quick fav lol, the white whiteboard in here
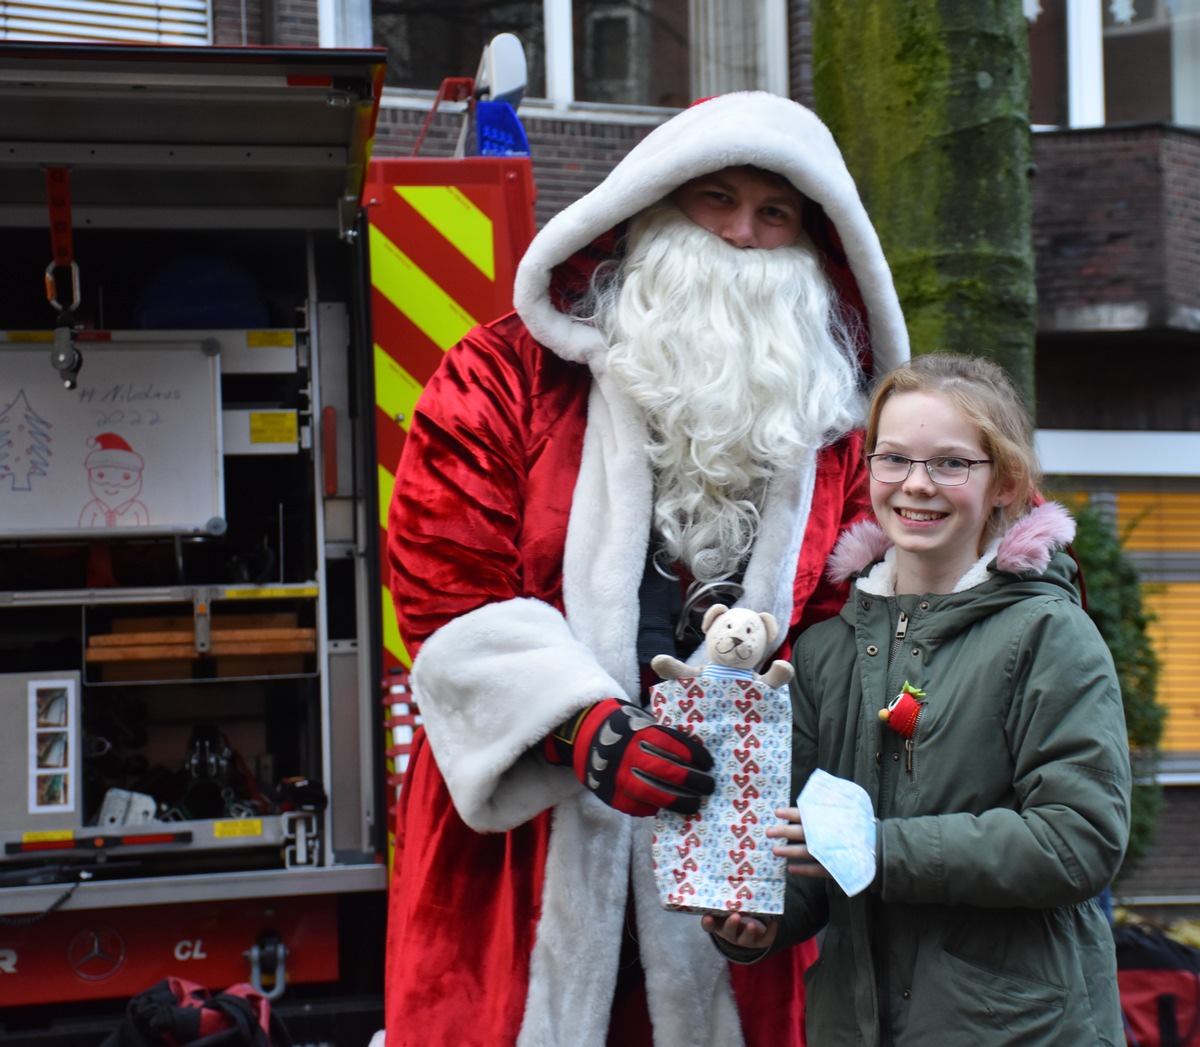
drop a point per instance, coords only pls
(134, 448)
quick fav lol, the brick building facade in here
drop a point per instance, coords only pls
(1117, 238)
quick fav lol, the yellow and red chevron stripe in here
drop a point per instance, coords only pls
(445, 237)
(445, 240)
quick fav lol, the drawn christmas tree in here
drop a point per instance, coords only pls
(24, 444)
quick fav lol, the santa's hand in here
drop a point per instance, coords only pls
(631, 761)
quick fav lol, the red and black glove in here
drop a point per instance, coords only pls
(631, 761)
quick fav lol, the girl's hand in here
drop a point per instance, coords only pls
(793, 848)
(741, 929)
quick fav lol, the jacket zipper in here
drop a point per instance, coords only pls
(901, 629)
(885, 973)
(897, 640)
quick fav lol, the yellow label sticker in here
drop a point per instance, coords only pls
(29, 336)
(273, 427)
(233, 828)
(271, 594)
(48, 836)
(257, 339)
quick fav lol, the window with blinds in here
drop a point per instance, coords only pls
(105, 21)
(1158, 527)
(1173, 632)
(1159, 521)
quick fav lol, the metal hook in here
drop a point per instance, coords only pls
(268, 955)
(52, 288)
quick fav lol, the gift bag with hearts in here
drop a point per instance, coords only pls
(719, 859)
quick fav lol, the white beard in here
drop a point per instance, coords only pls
(736, 359)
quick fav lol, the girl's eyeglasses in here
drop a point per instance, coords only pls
(948, 470)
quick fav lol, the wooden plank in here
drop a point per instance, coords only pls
(188, 636)
(188, 652)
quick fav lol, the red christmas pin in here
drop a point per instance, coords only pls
(903, 710)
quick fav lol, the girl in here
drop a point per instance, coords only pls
(1000, 776)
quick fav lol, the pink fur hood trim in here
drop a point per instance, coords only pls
(1025, 548)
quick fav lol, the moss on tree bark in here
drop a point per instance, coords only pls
(929, 100)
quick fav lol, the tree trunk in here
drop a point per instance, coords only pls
(929, 100)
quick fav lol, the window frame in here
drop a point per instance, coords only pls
(1085, 68)
(347, 23)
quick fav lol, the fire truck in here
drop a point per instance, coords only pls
(216, 315)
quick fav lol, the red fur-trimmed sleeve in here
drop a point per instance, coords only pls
(483, 489)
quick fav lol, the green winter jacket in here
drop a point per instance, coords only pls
(998, 829)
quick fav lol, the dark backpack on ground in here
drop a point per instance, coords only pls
(1159, 979)
(179, 1013)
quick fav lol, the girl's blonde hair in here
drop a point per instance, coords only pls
(984, 393)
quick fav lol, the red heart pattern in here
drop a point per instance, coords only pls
(720, 859)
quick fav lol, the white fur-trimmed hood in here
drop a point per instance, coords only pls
(745, 127)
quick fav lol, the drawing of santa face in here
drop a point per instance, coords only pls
(114, 485)
(114, 470)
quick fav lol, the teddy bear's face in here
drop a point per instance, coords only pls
(738, 638)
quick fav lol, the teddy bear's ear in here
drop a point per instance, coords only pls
(711, 615)
(772, 626)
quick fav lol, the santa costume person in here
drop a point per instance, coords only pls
(670, 412)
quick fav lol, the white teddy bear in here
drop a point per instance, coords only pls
(735, 638)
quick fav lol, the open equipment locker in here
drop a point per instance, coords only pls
(189, 663)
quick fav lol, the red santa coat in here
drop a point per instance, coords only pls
(518, 532)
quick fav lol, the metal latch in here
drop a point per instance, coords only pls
(202, 620)
(64, 357)
(268, 956)
(301, 846)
